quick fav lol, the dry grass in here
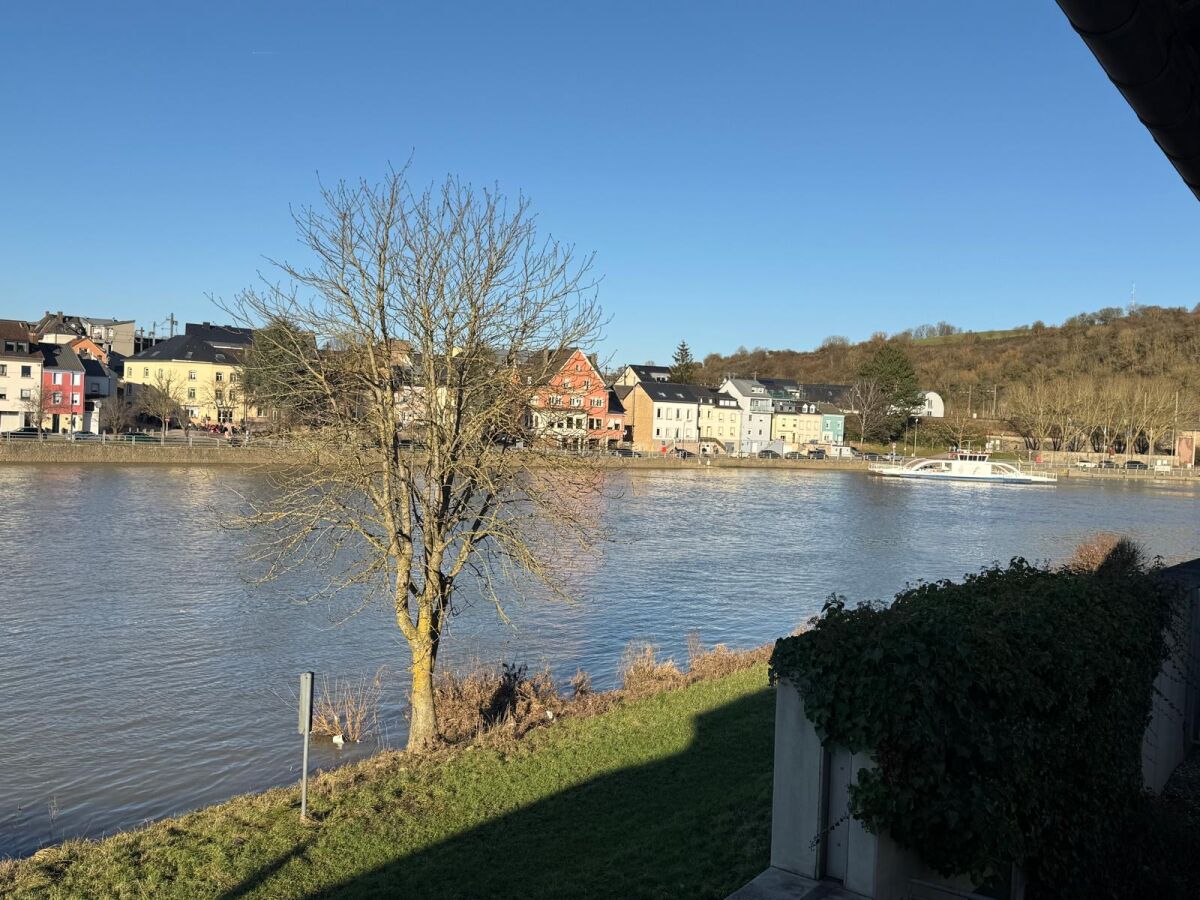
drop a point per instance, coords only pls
(1107, 553)
(348, 707)
(493, 707)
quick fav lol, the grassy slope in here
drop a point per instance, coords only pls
(668, 796)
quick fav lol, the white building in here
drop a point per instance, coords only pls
(756, 404)
(933, 408)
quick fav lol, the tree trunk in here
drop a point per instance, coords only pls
(422, 726)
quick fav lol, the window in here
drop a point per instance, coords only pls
(57, 397)
(219, 395)
(657, 432)
(191, 374)
(587, 384)
(26, 371)
(191, 394)
(577, 401)
(26, 394)
(259, 412)
(233, 377)
(658, 413)
(566, 383)
(57, 378)
(3, 394)
(160, 373)
(3, 369)
(145, 372)
(597, 401)
(74, 399)
(220, 376)
(77, 378)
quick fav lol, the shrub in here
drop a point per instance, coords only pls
(348, 707)
(1005, 713)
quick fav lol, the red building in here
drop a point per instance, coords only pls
(571, 408)
(62, 388)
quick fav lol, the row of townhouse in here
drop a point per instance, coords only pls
(744, 416)
(58, 372)
(54, 385)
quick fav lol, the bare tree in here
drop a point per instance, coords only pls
(37, 405)
(162, 399)
(404, 359)
(870, 404)
(117, 413)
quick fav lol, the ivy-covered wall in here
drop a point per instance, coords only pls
(1005, 713)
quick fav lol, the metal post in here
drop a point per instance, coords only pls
(305, 728)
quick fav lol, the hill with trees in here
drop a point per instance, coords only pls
(1116, 380)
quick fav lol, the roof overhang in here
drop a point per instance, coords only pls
(1150, 49)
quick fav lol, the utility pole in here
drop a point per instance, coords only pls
(172, 321)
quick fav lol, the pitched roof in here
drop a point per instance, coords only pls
(60, 356)
(224, 336)
(669, 392)
(651, 373)
(826, 393)
(14, 330)
(187, 348)
(615, 401)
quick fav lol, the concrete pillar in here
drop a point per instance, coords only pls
(797, 800)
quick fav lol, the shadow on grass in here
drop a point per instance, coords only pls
(249, 885)
(692, 825)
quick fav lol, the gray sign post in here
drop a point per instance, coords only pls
(306, 712)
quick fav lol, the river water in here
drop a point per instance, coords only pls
(143, 674)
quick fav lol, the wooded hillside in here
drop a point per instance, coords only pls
(1145, 342)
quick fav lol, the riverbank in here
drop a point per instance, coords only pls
(667, 795)
(85, 453)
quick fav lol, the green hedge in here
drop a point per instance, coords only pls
(1005, 713)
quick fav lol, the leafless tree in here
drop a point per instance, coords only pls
(403, 360)
(38, 405)
(161, 399)
(117, 413)
(869, 402)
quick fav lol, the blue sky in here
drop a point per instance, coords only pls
(758, 174)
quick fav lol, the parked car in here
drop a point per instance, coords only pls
(683, 454)
(871, 457)
(767, 454)
(1084, 464)
(795, 454)
(82, 436)
(1135, 464)
(625, 451)
(26, 433)
(892, 457)
(816, 454)
(1106, 464)
(138, 437)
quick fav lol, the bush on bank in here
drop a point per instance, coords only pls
(1005, 715)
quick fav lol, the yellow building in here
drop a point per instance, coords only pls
(205, 381)
(720, 422)
(785, 426)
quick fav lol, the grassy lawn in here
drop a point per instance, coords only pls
(668, 796)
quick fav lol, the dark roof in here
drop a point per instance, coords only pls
(220, 335)
(1151, 52)
(14, 330)
(185, 347)
(60, 356)
(780, 384)
(95, 369)
(709, 396)
(825, 393)
(615, 404)
(669, 392)
(651, 373)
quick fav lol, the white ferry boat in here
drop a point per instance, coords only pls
(965, 465)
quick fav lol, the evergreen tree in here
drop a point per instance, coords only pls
(893, 372)
(684, 367)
